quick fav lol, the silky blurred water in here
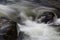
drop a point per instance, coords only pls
(39, 31)
(31, 29)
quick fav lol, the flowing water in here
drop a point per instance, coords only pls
(39, 31)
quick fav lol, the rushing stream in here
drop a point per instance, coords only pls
(39, 31)
(32, 30)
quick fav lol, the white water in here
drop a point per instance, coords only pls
(38, 31)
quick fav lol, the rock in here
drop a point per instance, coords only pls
(7, 32)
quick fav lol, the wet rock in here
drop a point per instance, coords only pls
(7, 32)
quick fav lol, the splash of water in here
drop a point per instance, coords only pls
(37, 31)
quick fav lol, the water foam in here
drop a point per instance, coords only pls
(38, 31)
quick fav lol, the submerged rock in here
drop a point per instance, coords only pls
(8, 29)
